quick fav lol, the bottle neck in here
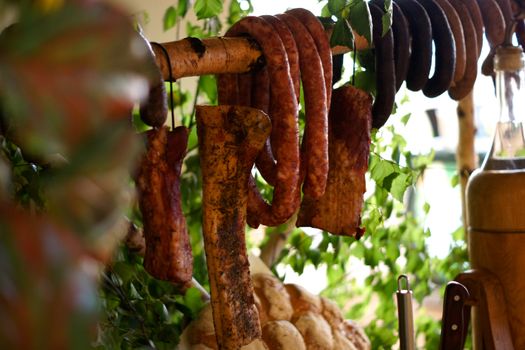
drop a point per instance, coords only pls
(508, 148)
(508, 87)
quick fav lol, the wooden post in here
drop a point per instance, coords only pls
(466, 157)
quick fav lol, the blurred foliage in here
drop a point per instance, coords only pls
(142, 312)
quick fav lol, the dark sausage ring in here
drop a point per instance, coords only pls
(244, 89)
(445, 55)
(385, 70)
(477, 20)
(401, 32)
(401, 44)
(459, 37)
(520, 33)
(421, 46)
(463, 87)
(494, 31)
(154, 110)
(227, 89)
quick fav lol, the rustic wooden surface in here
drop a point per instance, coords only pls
(496, 217)
(217, 55)
(466, 157)
(490, 316)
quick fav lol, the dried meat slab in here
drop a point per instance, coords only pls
(230, 137)
(168, 253)
(338, 211)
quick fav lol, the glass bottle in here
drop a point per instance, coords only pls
(494, 202)
(508, 148)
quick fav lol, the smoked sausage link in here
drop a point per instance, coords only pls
(283, 113)
(385, 70)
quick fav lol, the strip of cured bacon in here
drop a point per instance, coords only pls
(338, 211)
(168, 251)
(230, 137)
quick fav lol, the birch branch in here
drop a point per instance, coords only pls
(219, 55)
(466, 157)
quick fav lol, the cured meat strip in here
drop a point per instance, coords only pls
(168, 251)
(316, 29)
(229, 139)
(283, 112)
(338, 211)
(314, 151)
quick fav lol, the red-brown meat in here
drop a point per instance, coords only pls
(168, 251)
(338, 211)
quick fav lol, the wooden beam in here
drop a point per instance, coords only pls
(218, 55)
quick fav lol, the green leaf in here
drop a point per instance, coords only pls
(236, 11)
(426, 208)
(360, 19)
(381, 169)
(325, 11)
(342, 34)
(399, 186)
(124, 271)
(208, 85)
(182, 8)
(386, 20)
(335, 7)
(406, 118)
(170, 18)
(454, 181)
(207, 8)
(193, 300)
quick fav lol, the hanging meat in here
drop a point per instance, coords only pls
(385, 69)
(314, 150)
(283, 112)
(295, 48)
(168, 251)
(230, 137)
(338, 211)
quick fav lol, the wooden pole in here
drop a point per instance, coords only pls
(466, 157)
(219, 55)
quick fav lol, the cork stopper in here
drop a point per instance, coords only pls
(508, 58)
